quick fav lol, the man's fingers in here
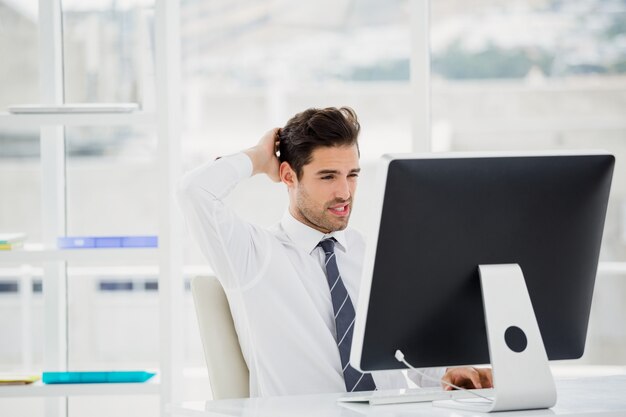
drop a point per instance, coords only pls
(469, 378)
(270, 137)
(486, 377)
(446, 378)
(462, 377)
(474, 376)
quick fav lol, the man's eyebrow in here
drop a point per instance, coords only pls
(334, 171)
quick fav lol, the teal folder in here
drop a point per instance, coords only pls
(95, 377)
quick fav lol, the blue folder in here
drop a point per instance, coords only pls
(85, 242)
(95, 377)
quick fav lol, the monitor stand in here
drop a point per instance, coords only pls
(521, 376)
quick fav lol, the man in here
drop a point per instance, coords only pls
(292, 289)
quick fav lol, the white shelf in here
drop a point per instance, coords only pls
(36, 254)
(39, 389)
(23, 121)
(612, 268)
(111, 271)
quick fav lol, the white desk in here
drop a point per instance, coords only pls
(599, 396)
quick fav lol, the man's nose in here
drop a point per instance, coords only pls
(343, 189)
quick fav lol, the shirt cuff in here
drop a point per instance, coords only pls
(241, 163)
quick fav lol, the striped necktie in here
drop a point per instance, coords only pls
(344, 321)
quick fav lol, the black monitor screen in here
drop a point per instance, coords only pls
(442, 217)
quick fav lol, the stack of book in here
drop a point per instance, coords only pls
(17, 379)
(82, 242)
(10, 241)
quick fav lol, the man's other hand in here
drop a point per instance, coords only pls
(263, 155)
(468, 378)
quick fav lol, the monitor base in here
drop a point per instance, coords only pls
(521, 374)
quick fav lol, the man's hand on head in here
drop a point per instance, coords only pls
(263, 155)
(468, 378)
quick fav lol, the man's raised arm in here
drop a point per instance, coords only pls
(233, 247)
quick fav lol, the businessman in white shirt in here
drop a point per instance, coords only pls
(292, 288)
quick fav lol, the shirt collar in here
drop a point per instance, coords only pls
(306, 237)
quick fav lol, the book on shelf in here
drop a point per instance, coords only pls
(90, 377)
(11, 246)
(18, 379)
(94, 242)
(72, 108)
(10, 241)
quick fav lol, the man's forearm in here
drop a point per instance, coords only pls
(223, 237)
(216, 178)
(256, 158)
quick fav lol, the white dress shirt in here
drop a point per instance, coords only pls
(276, 286)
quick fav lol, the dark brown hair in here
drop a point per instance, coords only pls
(314, 128)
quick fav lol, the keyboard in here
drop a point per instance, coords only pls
(412, 395)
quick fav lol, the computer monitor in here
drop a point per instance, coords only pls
(441, 216)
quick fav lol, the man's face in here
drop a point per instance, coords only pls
(324, 194)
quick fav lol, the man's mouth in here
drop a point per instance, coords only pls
(341, 210)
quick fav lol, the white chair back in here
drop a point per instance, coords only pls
(228, 371)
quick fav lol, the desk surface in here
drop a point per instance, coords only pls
(600, 396)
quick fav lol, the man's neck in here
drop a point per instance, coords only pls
(297, 214)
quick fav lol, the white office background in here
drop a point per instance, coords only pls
(514, 75)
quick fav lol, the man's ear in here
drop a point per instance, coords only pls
(287, 175)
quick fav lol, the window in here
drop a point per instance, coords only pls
(540, 75)
(249, 66)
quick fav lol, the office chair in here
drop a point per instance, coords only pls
(228, 371)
